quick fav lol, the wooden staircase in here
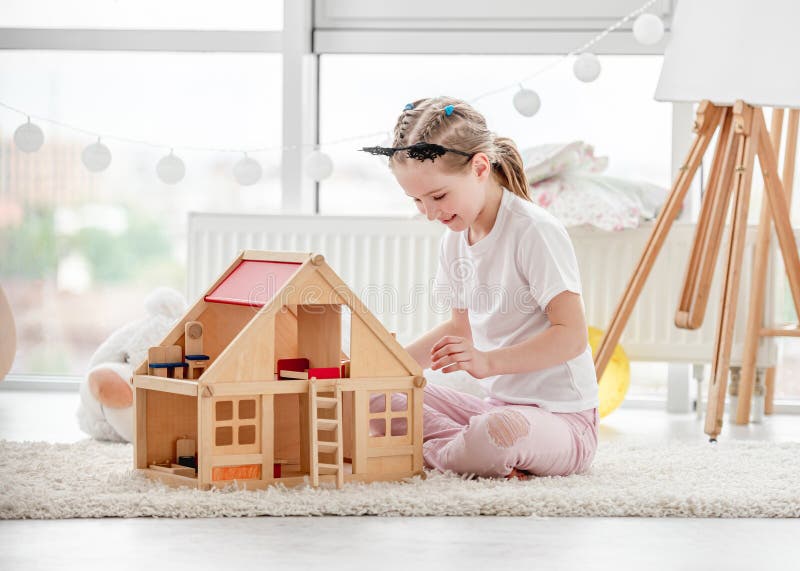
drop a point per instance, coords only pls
(329, 426)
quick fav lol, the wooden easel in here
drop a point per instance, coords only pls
(743, 135)
(755, 317)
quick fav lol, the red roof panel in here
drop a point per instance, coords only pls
(253, 282)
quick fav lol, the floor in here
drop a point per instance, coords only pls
(394, 543)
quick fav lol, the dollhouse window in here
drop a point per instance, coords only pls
(236, 422)
(224, 410)
(224, 436)
(247, 434)
(247, 408)
(399, 402)
(397, 417)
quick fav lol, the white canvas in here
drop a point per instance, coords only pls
(724, 50)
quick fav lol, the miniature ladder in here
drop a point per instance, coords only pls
(334, 425)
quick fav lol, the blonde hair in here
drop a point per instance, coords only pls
(465, 130)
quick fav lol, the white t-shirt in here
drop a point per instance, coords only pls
(506, 280)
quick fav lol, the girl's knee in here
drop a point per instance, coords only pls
(488, 445)
(505, 427)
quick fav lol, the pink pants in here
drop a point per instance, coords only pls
(468, 435)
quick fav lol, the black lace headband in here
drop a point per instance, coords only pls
(420, 151)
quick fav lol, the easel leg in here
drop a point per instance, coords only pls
(769, 157)
(779, 209)
(708, 119)
(746, 128)
(769, 386)
(758, 284)
(708, 235)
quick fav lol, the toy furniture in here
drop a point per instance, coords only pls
(166, 361)
(275, 399)
(195, 359)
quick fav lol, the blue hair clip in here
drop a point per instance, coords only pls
(448, 110)
(408, 106)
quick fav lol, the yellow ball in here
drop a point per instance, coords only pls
(616, 378)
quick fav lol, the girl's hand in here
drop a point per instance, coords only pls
(452, 353)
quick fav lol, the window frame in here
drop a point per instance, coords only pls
(315, 27)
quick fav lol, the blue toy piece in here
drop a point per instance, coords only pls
(169, 366)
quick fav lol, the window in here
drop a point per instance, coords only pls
(365, 93)
(141, 14)
(396, 417)
(235, 430)
(75, 244)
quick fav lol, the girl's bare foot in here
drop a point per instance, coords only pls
(518, 474)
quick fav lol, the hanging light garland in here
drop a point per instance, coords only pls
(96, 157)
(586, 67)
(319, 165)
(648, 29)
(527, 102)
(170, 169)
(247, 171)
(28, 137)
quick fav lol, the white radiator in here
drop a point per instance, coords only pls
(607, 260)
(390, 263)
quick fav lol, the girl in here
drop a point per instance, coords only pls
(509, 272)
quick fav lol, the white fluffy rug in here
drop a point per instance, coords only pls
(729, 479)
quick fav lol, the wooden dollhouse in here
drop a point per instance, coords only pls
(253, 385)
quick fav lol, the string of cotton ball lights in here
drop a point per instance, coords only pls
(29, 137)
(648, 29)
(319, 165)
(586, 67)
(96, 157)
(247, 171)
(170, 168)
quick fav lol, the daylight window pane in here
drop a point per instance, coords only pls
(79, 252)
(145, 14)
(365, 93)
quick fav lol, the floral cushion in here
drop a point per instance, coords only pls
(565, 179)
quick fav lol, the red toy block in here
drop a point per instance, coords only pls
(324, 372)
(298, 365)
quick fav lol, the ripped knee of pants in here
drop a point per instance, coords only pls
(506, 427)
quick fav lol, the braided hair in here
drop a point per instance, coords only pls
(456, 124)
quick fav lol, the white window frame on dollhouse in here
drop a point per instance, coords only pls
(387, 415)
(235, 423)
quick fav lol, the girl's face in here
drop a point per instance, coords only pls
(454, 199)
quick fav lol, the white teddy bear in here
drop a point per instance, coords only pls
(105, 411)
